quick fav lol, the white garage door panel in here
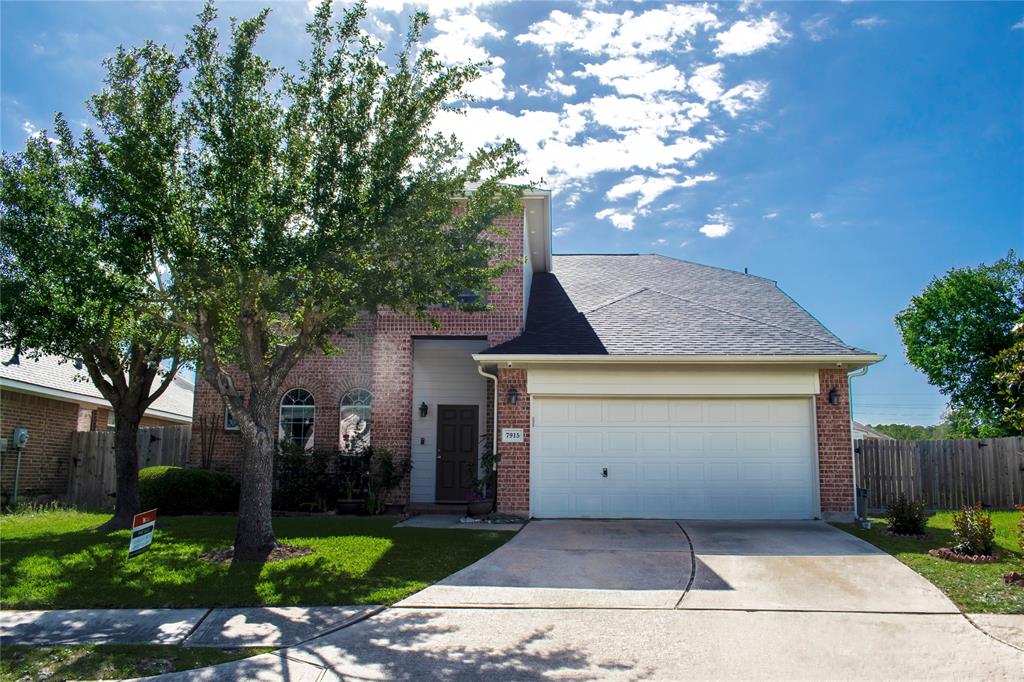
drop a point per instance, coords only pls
(682, 458)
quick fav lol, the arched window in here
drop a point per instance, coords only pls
(355, 415)
(298, 412)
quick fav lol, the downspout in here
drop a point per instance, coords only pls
(494, 430)
(853, 455)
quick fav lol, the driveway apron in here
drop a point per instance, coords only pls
(574, 564)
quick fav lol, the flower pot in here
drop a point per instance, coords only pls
(479, 507)
(349, 506)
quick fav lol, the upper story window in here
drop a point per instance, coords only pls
(355, 414)
(298, 413)
(467, 297)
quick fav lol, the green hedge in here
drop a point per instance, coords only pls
(176, 491)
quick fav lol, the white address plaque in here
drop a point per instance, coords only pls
(512, 436)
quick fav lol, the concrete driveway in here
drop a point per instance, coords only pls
(785, 565)
(628, 600)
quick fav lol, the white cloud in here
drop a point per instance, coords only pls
(717, 226)
(747, 37)
(659, 242)
(1018, 26)
(628, 33)
(622, 221)
(876, 21)
(632, 76)
(817, 216)
(29, 128)
(553, 85)
(817, 28)
(459, 40)
(561, 231)
(770, 216)
(706, 82)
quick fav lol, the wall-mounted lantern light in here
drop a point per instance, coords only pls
(833, 396)
(423, 409)
(513, 396)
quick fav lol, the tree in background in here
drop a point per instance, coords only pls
(1010, 380)
(316, 198)
(76, 248)
(954, 330)
(914, 432)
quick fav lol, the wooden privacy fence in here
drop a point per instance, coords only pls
(93, 474)
(947, 474)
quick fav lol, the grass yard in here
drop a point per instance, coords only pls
(108, 661)
(55, 560)
(975, 588)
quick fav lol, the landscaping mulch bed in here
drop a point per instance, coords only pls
(279, 553)
(950, 555)
(1014, 578)
(906, 536)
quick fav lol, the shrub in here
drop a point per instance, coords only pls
(304, 480)
(176, 491)
(387, 470)
(973, 531)
(906, 517)
(1020, 528)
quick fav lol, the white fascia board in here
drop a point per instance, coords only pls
(523, 360)
(82, 399)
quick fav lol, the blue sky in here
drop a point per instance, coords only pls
(850, 151)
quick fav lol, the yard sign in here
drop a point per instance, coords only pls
(142, 532)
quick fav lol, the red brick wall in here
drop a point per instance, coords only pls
(514, 461)
(45, 460)
(835, 449)
(379, 357)
(100, 417)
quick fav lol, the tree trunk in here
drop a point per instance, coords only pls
(254, 536)
(126, 460)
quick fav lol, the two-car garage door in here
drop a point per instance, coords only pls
(672, 458)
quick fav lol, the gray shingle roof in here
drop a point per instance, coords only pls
(49, 371)
(654, 305)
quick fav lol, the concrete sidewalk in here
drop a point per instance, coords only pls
(219, 627)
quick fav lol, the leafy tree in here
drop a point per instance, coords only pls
(1010, 380)
(953, 331)
(76, 247)
(316, 198)
(914, 432)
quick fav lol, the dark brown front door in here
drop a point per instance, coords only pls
(457, 449)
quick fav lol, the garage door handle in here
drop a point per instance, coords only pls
(604, 472)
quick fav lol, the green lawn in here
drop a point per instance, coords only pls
(975, 588)
(56, 560)
(108, 661)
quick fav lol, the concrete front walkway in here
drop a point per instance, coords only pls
(221, 627)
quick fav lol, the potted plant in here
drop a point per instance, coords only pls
(387, 470)
(348, 502)
(476, 503)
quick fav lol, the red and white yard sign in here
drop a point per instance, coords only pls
(142, 532)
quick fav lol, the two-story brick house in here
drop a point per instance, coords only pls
(625, 386)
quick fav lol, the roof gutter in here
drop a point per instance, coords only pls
(848, 361)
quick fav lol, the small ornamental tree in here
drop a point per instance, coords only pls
(316, 198)
(957, 330)
(76, 247)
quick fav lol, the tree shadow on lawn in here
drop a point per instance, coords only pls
(355, 561)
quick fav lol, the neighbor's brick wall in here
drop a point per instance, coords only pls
(45, 460)
(379, 357)
(514, 462)
(835, 449)
(101, 417)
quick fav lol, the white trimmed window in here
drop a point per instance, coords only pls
(355, 414)
(298, 414)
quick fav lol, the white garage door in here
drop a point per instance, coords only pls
(672, 458)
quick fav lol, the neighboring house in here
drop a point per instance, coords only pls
(626, 386)
(53, 399)
(863, 431)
